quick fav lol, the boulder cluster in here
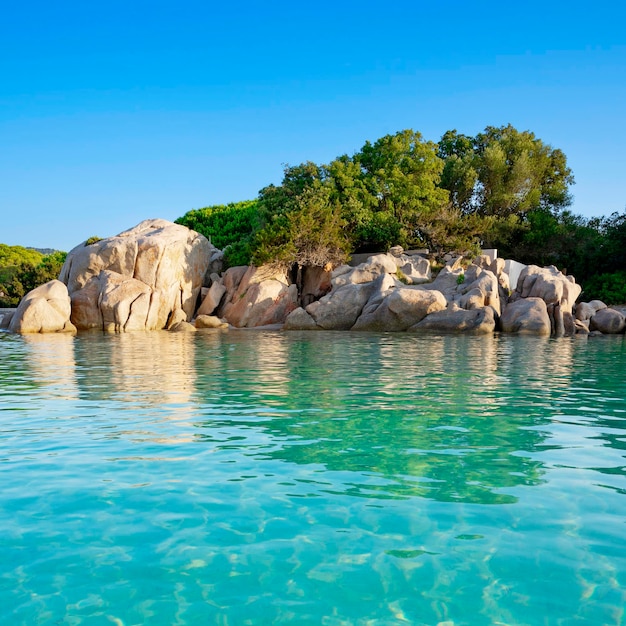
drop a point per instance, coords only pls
(161, 275)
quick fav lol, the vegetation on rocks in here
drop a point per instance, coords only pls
(502, 188)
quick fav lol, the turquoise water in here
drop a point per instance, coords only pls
(312, 478)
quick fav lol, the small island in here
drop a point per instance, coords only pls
(470, 234)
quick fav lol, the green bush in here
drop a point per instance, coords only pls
(610, 288)
(229, 227)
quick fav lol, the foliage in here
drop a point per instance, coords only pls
(311, 233)
(503, 172)
(609, 287)
(381, 194)
(12, 256)
(17, 280)
(229, 227)
(92, 240)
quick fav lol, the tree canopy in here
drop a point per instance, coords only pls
(23, 269)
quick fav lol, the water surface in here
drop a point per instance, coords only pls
(312, 478)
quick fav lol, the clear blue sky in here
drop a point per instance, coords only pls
(113, 112)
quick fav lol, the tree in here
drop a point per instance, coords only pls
(312, 233)
(229, 227)
(401, 174)
(503, 172)
(18, 280)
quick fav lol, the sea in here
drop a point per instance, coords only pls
(334, 478)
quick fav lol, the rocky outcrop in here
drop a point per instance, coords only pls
(46, 309)
(139, 279)
(256, 296)
(558, 291)
(597, 318)
(340, 309)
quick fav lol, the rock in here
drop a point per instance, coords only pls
(526, 316)
(447, 282)
(608, 321)
(340, 309)
(597, 305)
(5, 319)
(46, 309)
(299, 319)
(212, 299)
(316, 283)
(483, 281)
(559, 292)
(176, 317)
(402, 308)
(366, 272)
(232, 277)
(210, 321)
(584, 311)
(476, 321)
(154, 268)
(582, 327)
(183, 327)
(415, 269)
(262, 296)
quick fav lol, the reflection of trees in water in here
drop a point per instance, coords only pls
(445, 417)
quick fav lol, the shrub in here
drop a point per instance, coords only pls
(610, 288)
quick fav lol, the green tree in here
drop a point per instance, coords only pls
(401, 174)
(20, 279)
(503, 172)
(229, 227)
(312, 233)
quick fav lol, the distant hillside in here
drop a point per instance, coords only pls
(43, 251)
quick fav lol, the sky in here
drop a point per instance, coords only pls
(115, 112)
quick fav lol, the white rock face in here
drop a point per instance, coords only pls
(46, 309)
(138, 279)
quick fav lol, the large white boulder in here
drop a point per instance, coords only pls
(137, 279)
(401, 308)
